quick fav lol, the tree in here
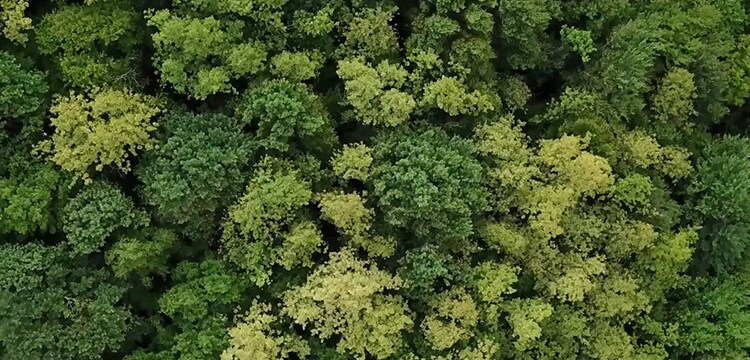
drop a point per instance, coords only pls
(274, 200)
(345, 297)
(712, 318)
(23, 94)
(100, 130)
(374, 92)
(256, 337)
(196, 168)
(57, 307)
(429, 181)
(142, 254)
(451, 318)
(24, 90)
(96, 213)
(353, 162)
(202, 290)
(720, 201)
(285, 114)
(28, 199)
(83, 37)
(14, 21)
(187, 49)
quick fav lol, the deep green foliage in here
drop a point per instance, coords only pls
(721, 189)
(428, 183)
(95, 214)
(197, 167)
(714, 318)
(56, 308)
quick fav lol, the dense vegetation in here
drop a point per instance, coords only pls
(374, 179)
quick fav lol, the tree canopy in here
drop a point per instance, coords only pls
(375, 179)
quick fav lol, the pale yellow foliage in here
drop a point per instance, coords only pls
(302, 241)
(585, 173)
(345, 297)
(502, 140)
(347, 211)
(353, 162)
(354, 220)
(100, 130)
(254, 338)
(376, 246)
(644, 151)
(505, 238)
(524, 317)
(675, 162)
(374, 92)
(14, 21)
(618, 295)
(665, 262)
(452, 96)
(484, 349)
(577, 278)
(546, 205)
(452, 317)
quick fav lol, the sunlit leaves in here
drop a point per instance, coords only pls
(100, 130)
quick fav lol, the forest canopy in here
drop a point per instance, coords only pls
(375, 179)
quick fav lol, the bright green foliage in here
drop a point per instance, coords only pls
(22, 103)
(96, 213)
(674, 99)
(722, 202)
(195, 169)
(353, 162)
(494, 280)
(739, 70)
(201, 290)
(578, 40)
(370, 36)
(141, 254)
(27, 200)
(428, 182)
(14, 21)
(206, 340)
(257, 338)
(479, 19)
(200, 56)
(285, 113)
(621, 73)
(54, 307)
(82, 37)
(713, 319)
(345, 297)
(273, 200)
(374, 92)
(100, 130)
(451, 96)
(296, 66)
